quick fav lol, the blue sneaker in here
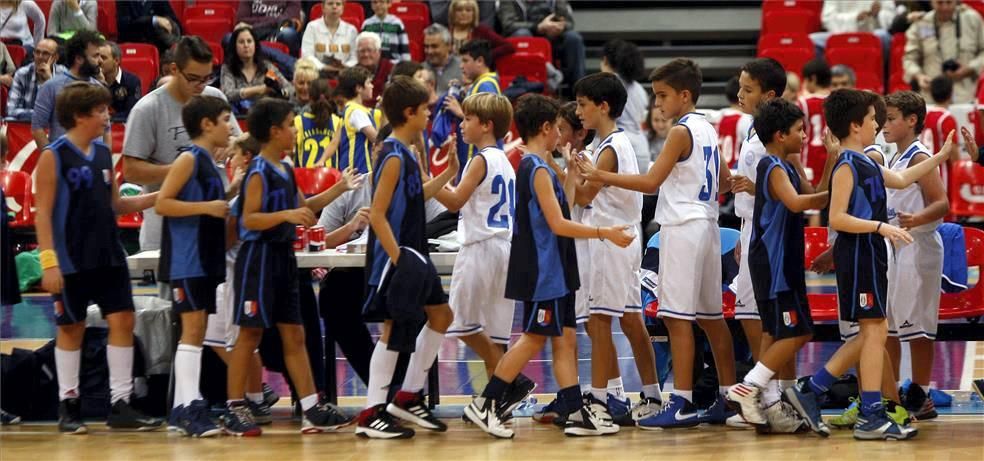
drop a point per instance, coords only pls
(196, 423)
(677, 413)
(717, 413)
(238, 421)
(549, 414)
(803, 399)
(174, 420)
(618, 407)
(879, 427)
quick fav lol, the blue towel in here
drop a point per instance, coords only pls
(954, 258)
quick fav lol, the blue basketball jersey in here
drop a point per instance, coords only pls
(279, 194)
(776, 250)
(83, 221)
(194, 246)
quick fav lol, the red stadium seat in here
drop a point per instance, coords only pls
(785, 40)
(218, 54)
(277, 46)
(408, 9)
(896, 74)
(313, 181)
(976, 5)
(106, 19)
(415, 32)
(860, 51)
(140, 50)
(17, 189)
(210, 29)
(177, 5)
(225, 10)
(534, 68)
(869, 81)
(144, 68)
(17, 53)
(788, 22)
(534, 46)
(823, 306)
(792, 59)
(967, 303)
(117, 130)
(813, 8)
(967, 191)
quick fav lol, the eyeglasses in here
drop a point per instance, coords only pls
(197, 80)
(42, 53)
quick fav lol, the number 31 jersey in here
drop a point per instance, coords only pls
(691, 190)
(491, 209)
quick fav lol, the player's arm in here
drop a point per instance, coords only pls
(781, 188)
(902, 179)
(330, 151)
(724, 177)
(677, 145)
(255, 220)
(370, 133)
(543, 188)
(385, 186)
(454, 199)
(351, 180)
(585, 191)
(842, 221)
(140, 171)
(435, 184)
(46, 188)
(937, 205)
(167, 201)
(127, 205)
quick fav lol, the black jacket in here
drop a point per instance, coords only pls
(135, 19)
(125, 95)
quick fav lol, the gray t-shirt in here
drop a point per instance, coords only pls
(155, 133)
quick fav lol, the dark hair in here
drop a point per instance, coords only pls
(844, 107)
(199, 108)
(568, 112)
(266, 114)
(941, 89)
(819, 70)
(350, 80)
(192, 48)
(680, 74)
(909, 103)
(731, 90)
(406, 68)
(532, 111)
(322, 102)
(166, 59)
(75, 47)
(77, 99)
(235, 63)
(881, 111)
(775, 116)
(603, 87)
(625, 58)
(400, 94)
(478, 49)
(768, 73)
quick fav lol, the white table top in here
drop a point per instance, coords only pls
(329, 258)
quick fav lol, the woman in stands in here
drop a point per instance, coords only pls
(625, 61)
(305, 72)
(17, 17)
(247, 75)
(464, 23)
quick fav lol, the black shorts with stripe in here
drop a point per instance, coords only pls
(549, 318)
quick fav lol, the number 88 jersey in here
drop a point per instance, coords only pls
(491, 209)
(691, 189)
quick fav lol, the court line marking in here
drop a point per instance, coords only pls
(970, 352)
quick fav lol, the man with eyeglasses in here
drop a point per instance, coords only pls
(155, 133)
(30, 77)
(82, 56)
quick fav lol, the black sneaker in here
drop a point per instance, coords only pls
(124, 416)
(323, 417)
(8, 419)
(238, 421)
(918, 404)
(376, 423)
(270, 397)
(410, 406)
(261, 412)
(70, 417)
(518, 390)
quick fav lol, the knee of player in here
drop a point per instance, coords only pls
(873, 329)
(120, 321)
(72, 332)
(292, 337)
(249, 337)
(439, 318)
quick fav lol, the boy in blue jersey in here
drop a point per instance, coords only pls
(359, 126)
(82, 256)
(402, 279)
(543, 275)
(859, 214)
(192, 202)
(266, 285)
(477, 67)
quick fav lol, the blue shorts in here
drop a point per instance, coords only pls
(549, 318)
(109, 288)
(266, 286)
(786, 316)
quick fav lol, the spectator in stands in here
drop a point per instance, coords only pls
(392, 32)
(149, 21)
(427, 77)
(406, 69)
(370, 57)
(273, 20)
(82, 56)
(27, 80)
(247, 75)
(7, 67)
(552, 19)
(331, 40)
(839, 17)
(305, 72)
(67, 16)
(440, 9)
(950, 41)
(123, 86)
(438, 57)
(465, 27)
(657, 129)
(842, 76)
(17, 19)
(624, 59)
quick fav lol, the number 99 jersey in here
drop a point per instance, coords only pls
(491, 209)
(691, 190)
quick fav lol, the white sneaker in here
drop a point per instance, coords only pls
(783, 419)
(737, 421)
(591, 420)
(484, 416)
(748, 398)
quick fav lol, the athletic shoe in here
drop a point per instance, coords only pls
(782, 419)
(547, 414)
(376, 423)
(849, 417)
(897, 413)
(261, 412)
(270, 397)
(879, 427)
(717, 413)
(747, 400)
(193, 420)
(238, 421)
(518, 390)
(618, 407)
(917, 403)
(8, 419)
(592, 419)
(70, 417)
(644, 408)
(123, 416)
(481, 411)
(737, 421)
(677, 413)
(410, 407)
(323, 417)
(805, 403)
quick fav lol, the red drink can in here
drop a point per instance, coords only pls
(301, 241)
(316, 238)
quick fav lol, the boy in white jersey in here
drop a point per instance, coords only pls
(689, 173)
(614, 272)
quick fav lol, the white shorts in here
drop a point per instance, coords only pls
(478, 291)
(614, 277)
(914, 287)
(221, 331)
(690, 270)
(745, 306)
(582, 305)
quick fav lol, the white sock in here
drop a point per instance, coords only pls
(687, 395)
(759, 375)
(652, 391)
(770, 394)
(255, 397)
(381, 367)
(67, 369)
(723, 389)
(309, 401)
(616, 388)
(600, 393)
(925, 388)
(428, 343)
(187, 370)
(120, 361)
(786, 383)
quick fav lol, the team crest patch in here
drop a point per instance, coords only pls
(789, 319)
(544, 316)
(249, 308)
(59, 308)
(178, 294)
(866, 301)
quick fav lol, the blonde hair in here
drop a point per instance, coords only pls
(490, 107)
(307, 67)
(455, 4)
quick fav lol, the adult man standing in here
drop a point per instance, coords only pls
(82, 56)
(946, 41)
(30, 77)
(445, 65)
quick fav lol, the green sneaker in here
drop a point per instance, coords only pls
(849, 417)
(897, 413)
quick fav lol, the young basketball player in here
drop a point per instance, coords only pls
(192, 202)
(543, 274)
(690, 175)
(614, 274)
(358, 123)
(266, 283)
(477, 67)
(82, 256)
(318, 130)
(397, 219)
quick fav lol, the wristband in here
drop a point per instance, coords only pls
(48, 259)
(878, 227)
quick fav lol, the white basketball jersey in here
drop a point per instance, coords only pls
(910, 199)
(691, 190)
(613, 205)
(752, 150)
(490, 210)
